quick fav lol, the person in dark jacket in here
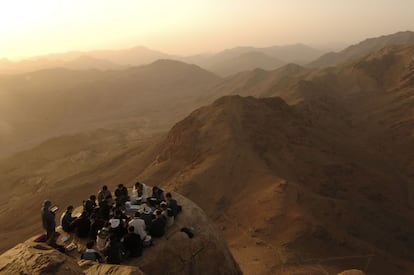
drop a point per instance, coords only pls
(158, 225)
(121, 194)
(67, 220)
(48, 221)
(82, 225)
(172, 204)
(133, 243)
(158, 194)
(96, 224)
(147, 216)
(113, 251)
(103, 194)
(90, 205)
(105, 209)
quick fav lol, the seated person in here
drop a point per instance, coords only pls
(113, 251)
(158, 194)
(67, 220)
(105, 208)
(167, 214)
(103, 194)
(102, 239)
(139, 225)
(90, 205)
(147, 216)
(90, 253)
(82, 225)
(139, 192)
(157, 225)
(117, 225)
(96, 224)
(121, 194)
(172, 203)
(133, 243)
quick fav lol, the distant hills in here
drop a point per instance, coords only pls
(224, 63)
(365, 47)
(46, 103)
(103, 60)
(240, 59)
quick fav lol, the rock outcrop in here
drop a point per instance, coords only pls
(175, 253)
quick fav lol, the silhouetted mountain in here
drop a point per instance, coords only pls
(363, 48)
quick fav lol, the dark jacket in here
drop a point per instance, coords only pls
(95, 227)
(158, 227)
(147, 219)
(89, 206)
(133, 244)
(121, 194)
(174, 207)
(48, 220)
(104, 211)
(113, 252)
(67, 222)
(82, 226)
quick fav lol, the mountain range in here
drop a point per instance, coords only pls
(52, 102)
(305, 170)
(223, 63)
(363, 48)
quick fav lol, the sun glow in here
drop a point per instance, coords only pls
(29, 28)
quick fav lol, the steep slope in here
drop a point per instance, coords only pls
(38, 105)
(293, 187)
(363, 48)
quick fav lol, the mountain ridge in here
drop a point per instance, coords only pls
(363, 48)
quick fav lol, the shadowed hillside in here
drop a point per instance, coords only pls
(291, 185)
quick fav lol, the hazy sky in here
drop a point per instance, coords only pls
(35, 27)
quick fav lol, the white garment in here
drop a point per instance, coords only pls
(144, 196)
(115, 222)
(139, 227)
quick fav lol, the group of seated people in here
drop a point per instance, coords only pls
(117, 235)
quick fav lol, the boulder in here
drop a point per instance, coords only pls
(175, 253)
(37, 258)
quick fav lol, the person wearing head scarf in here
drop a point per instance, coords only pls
(48, 221)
